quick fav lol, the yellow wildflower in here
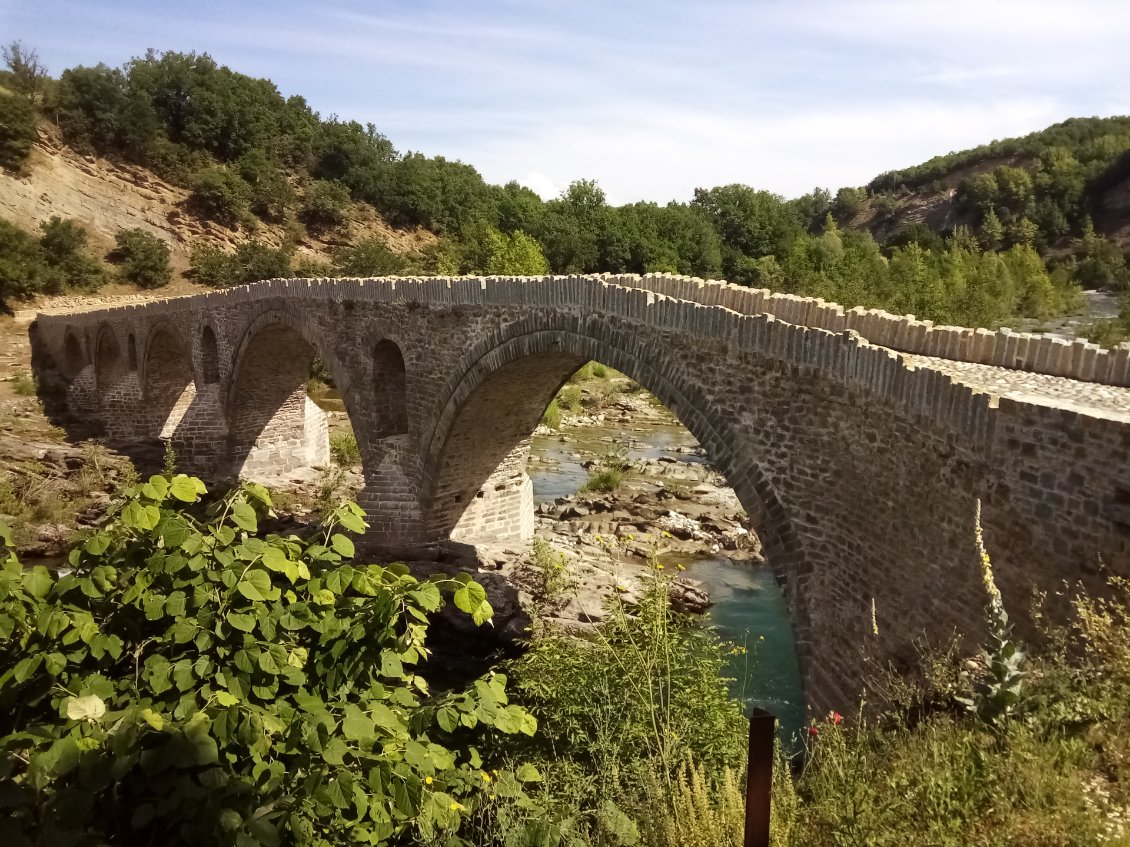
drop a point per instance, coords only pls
(457, 807)
(485, 776)
(428, 780)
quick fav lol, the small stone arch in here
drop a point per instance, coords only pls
(109, 364)
(390, 385)
(273, 425)
(209, 356)
(74, 359)
(169, 388)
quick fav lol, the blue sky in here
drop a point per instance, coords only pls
(651, 99)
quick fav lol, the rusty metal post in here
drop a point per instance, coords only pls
(759, 778)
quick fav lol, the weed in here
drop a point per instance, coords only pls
(551, 573)
(569, 398)
(344, 449)
(604, 481)
(24, 384)
(551, 417)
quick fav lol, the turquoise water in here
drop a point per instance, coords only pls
(749, 608)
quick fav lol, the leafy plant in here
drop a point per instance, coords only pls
(344, 449)
(189, 679)
(143, 258)
(551, 572)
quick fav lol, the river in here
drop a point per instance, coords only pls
(749, 608)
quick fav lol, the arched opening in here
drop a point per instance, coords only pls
(110, 366)
(664, 489)
(169, 387)
(131, 352)
(278, 434)
(389, 389)
(209, 357)
(74, 360)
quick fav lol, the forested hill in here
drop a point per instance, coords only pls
(1044, 187)
(260, 185)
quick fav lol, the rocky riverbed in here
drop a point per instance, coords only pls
(670, 506)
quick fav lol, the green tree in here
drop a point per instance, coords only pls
(220, 194)
(17, 131)
(64, 247)
(516, 254)
(142, 257)
(23, 271)
(251, 262)
(269, 194)
(325, 204)
(991, 231)
(29, 74)
(191, 679)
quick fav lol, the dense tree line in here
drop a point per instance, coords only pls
(248, 153)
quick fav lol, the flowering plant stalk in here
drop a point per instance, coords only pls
(999, 688)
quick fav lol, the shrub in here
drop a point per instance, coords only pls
(191, 680)
(551, 573)
(269, 194)
(251, 262)
(603, 480)
(221, 195)
(23, 384)
(344, 449)
(367, 258)
(551, 417)
(143, 258)
(23, 271)
(63, 244)
(598, 370)
(569, 398)
(17, 131)
(325, 204)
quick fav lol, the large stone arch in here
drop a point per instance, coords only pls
(168, 384)
(273, 426)
(474, 463)
(495, 403)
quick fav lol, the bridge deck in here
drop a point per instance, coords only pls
(1091, 398)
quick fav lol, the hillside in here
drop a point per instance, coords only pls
(105, 196)
(1074, 170)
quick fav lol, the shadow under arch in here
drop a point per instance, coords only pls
(390, 389)
(74, 359)
(273, 426)
(168, 384)
(110, 366)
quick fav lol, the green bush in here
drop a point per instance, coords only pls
(366, 259)
(23, 271)
(142, 257)
(344, 449)
(192, 680)
(221, 195)
(603, 480)
(17, 131)
(325, 203)
(569, 398)
(269, 194)
(551, 417)
(249, 263)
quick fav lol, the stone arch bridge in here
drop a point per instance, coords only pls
(857, 441)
